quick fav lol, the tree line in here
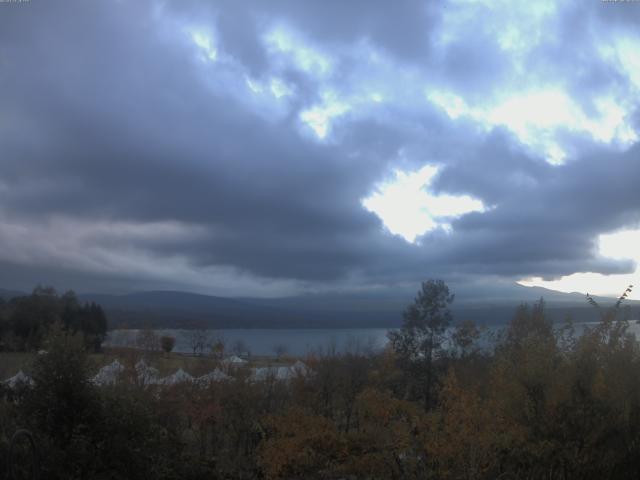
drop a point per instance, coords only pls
(25, 321)
(443, 401)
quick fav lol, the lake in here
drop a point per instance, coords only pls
(298, 342)
(295, 341)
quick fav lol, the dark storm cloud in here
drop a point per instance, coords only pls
(109, 119)
(141, 143)
(403, 31)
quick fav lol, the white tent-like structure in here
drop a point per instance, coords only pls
(146, 375)
(261, 374)
(180, 376)
(150, 376)
(300, 368)
(216, 376)
(19, 379)
(109, 374)
(234, 360)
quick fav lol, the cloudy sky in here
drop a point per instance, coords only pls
(279, 147)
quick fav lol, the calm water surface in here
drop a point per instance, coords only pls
(297, 342)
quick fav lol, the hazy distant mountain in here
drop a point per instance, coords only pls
(167, 299)
(483, 304)
(183, 309)
(466, 297)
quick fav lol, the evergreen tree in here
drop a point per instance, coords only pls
(420, 340)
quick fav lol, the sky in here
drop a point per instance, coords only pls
(279, 148)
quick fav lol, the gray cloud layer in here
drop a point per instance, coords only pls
(130, 159)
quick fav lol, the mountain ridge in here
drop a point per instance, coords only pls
(179, 309)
